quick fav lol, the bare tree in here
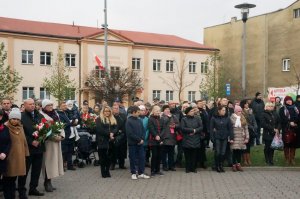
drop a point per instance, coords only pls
(59, 83)
(117, 84)
(178, 81)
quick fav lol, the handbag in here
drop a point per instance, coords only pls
(289, 136)
(277, 143)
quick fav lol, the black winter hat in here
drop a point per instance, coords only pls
(165, 107)
(188, 109)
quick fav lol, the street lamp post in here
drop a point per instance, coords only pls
(245, 12)
(105, 36)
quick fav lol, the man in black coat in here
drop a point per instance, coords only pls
(258, 107)
(205, 137)
(120, 146)
(30, 118)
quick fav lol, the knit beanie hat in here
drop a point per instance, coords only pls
(165, 107)
(15, 114)
(288, 98)
(142, 107)
(46, 102)
(237, 109)
(257, 94)
(188, 109)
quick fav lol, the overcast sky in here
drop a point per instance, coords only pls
(184, 18)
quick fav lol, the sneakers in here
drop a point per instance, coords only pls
(133, 177)
(144, 176)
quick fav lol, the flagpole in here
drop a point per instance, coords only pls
(105, 37)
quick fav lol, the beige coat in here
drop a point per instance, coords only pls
(52, 160)
(241, 134)
(16, 159)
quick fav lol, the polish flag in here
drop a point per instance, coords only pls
(99, 63)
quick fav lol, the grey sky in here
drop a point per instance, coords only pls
(185, 18)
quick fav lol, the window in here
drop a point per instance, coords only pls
(136, 64)
(156, 64)
(28, 92)
(192, 67)
(70, 60)
(169, 65)
(44, 94)
(297, 13)
(204, 67)
(27, 56)
(99, 73)
(45, 58)
(155, 94)
(286, 65)
(191, 96)
(115, 70)
(70, 94)
(169, 95)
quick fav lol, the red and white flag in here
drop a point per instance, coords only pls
(99, 63)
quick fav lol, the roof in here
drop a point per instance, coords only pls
(278, 10)
(20, 26)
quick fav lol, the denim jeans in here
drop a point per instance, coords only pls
(137, 159)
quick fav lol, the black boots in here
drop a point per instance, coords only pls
(105, 172)
(48, 186)
(219, 164)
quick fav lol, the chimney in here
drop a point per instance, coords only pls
(233, 19)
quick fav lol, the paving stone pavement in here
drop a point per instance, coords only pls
(86, 183)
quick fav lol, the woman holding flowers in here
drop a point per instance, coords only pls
(106, 127)
(53, 161)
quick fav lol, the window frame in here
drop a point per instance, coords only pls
(70, 59)
(136, 64)
(191, 96)
(99, 73)
(169, 65)
(286, 65)
(156, 94)
(204, 67)
(46, 94)
(296, 13)
(28, 89)
(192, 67)
(45, 58)
(27, 56)
(169, 95)
(157, 65)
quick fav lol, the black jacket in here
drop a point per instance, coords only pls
(155, 127)
(135, 131)
(66, 120)
(5, 144)
(167, 137)
(269, 122)
(103, 131)
(191, 139)
(221, 128)
(29, 124)
(258, 107)
(121, 131)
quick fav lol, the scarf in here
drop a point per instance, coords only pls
(52, 114)
(288, 110)
(15, 129)
(237, 121)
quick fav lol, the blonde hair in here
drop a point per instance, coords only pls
(269, 104)
(243, 120)
(111, 119)
(154, 109)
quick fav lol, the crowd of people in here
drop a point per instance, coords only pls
(158, 135)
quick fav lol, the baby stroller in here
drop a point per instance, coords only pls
(85, 149)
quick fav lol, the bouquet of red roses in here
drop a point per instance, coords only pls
(47, 129)
(88, 120)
